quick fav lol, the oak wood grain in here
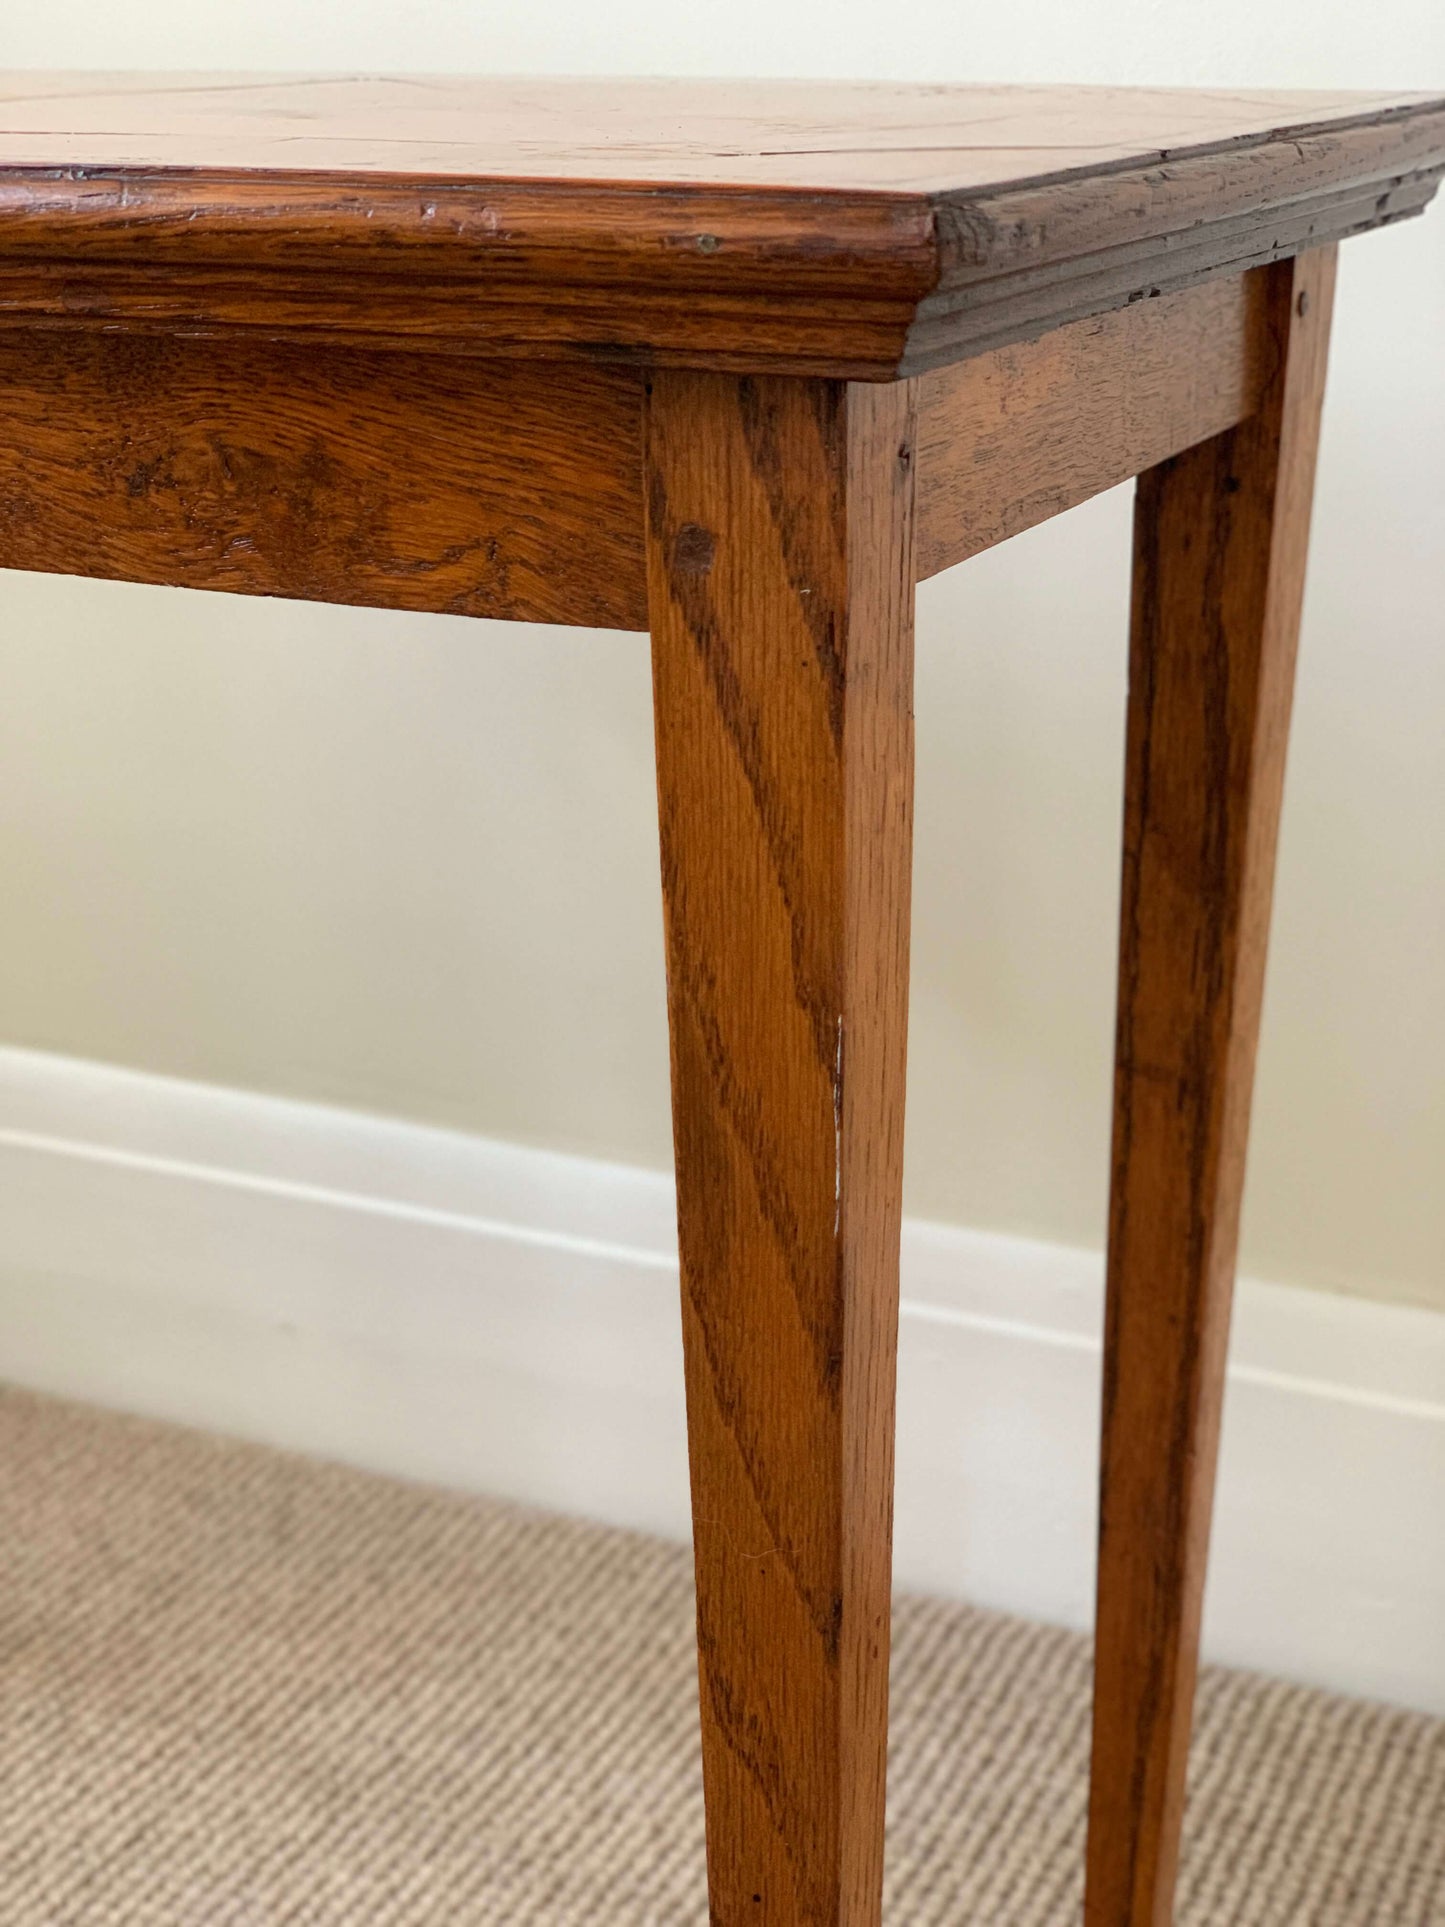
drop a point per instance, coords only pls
(595, 353)
(829, 229)
(505, 489)
(1010, 438)
(781, 579)
(823, 136)
(1034, 257)
(1220, 539)
(408, 482)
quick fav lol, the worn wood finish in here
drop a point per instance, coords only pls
(1058, 254)
(629, 354)
(781, 576)
(1008, 439)
(409, 482)
(515, 490)
(1220, 540)
(820, 136)
(826, 229)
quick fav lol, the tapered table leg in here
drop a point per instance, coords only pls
(781, 587)
(1220, 539)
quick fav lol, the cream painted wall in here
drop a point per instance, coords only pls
(410, 863)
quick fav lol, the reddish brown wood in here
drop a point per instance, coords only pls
(415, 481)
(781, 573)
(1220, 539)
(828, 229)
(1010, 438)
(406, 481)
(530, 350)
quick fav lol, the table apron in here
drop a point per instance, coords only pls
(510, 488)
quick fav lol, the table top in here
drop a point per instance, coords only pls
(823, 136)
(819, 227)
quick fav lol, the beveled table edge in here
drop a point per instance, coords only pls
(866, 284)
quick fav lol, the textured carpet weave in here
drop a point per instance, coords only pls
(239, 1689)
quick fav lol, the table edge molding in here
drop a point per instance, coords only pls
(854, 285)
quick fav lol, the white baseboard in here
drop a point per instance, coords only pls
(501, 1318)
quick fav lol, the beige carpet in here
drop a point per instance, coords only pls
(238, 1689)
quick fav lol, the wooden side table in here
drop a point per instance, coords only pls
(739, 365)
